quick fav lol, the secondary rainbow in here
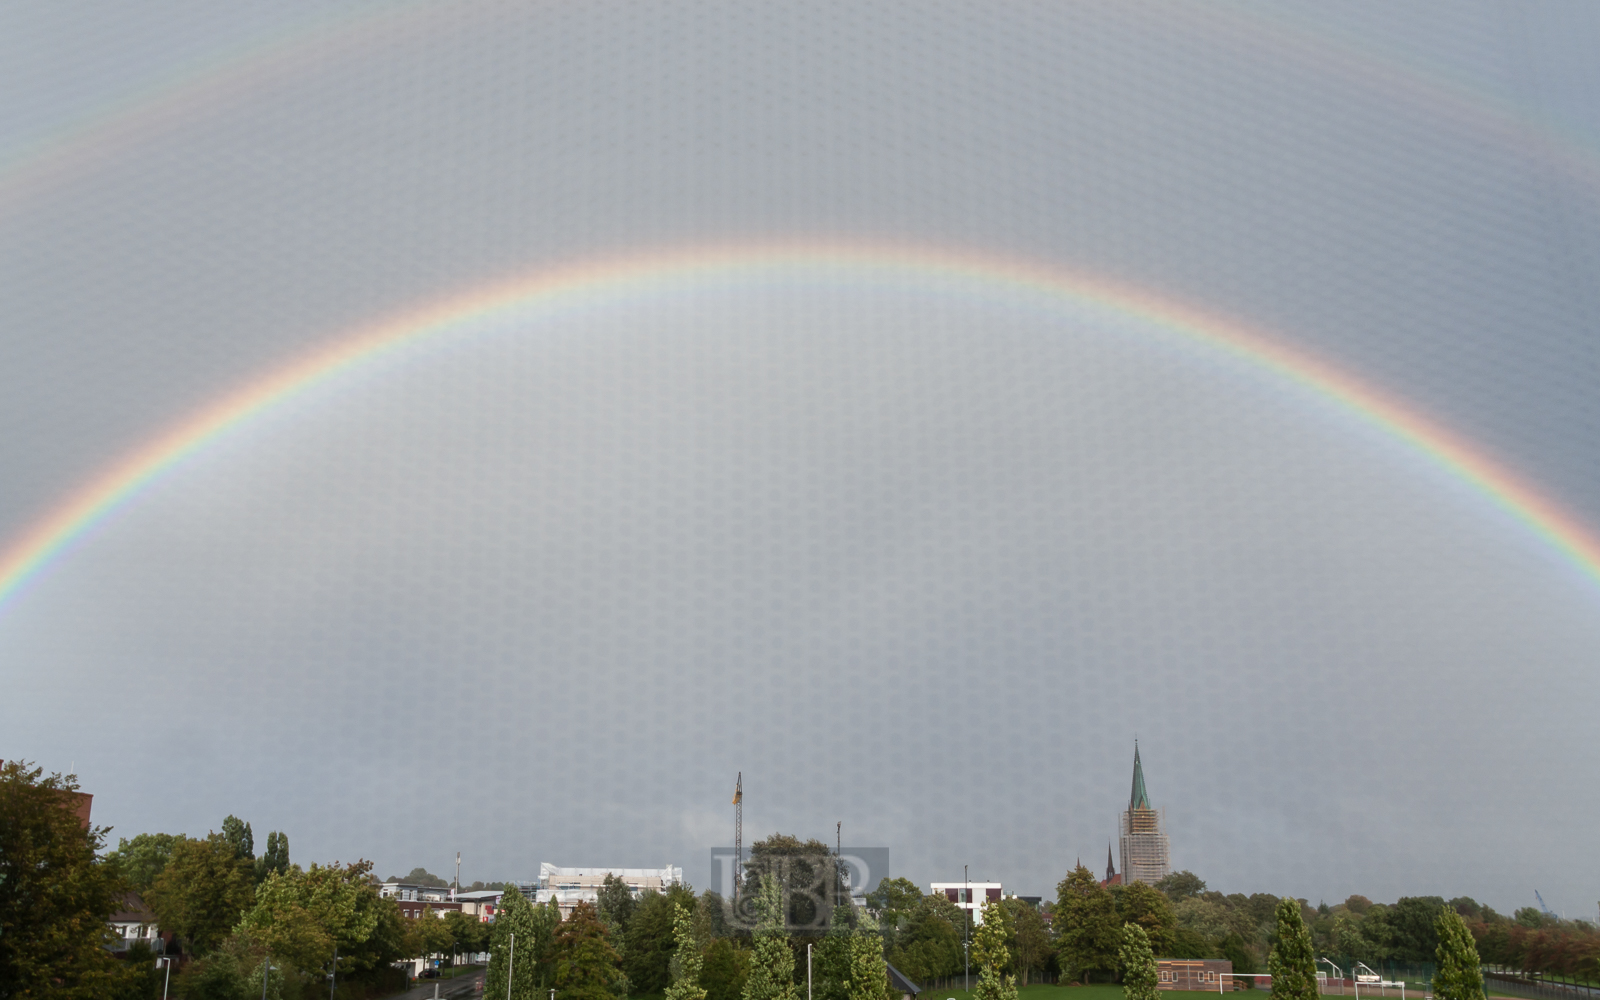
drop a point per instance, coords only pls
(544, 295)
(206, 86)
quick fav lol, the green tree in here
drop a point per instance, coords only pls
(518, 942)
(831, 962)
(991, 956)
(236, 832)
(650, 941)
(55, 896)
(771, 974)
(1412, 918)
(586, 963)
(427, 935)
(1030, 941)
(468, 934)
(1137, 903)
(811, 880)
(715, 916)
(1236, 950)
(1457, 976)
(869, 974)
(726, 968)
(275, 858)
(1088, 934)
(1181, 885)
(686, 959)
(615, 904)
(1138, 964)
(1292, 964)
(202, 892)
(141, 859)
(929, 946)
(301, 917)
(894, 901)
(423, 877)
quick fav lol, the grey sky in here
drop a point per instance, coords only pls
(921, 563)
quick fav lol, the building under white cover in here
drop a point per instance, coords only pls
(571, 886)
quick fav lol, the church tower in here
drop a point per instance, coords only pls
(1145, 857)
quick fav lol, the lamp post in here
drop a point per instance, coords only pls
(966, 930)
(511, 962)
(808, 972)
(165, 962)
(333, 971)
(266, 970)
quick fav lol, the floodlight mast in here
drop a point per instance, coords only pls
(1336, 969)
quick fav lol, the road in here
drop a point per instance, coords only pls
(463, 987)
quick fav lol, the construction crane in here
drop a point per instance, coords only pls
(738, 836)
(1543, 908)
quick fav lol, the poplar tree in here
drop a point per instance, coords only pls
(521, 956)
(1293, 964)
(275, 858)
(832, 961)
(686, 960)
(772, 966)
(869, 972)
(1139, 974)
(1458, 976)
(989, 951)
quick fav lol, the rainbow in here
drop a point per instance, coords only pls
(205, 85)
(549, 294)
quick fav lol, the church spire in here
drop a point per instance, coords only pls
(1140, 799)
(1111, 869)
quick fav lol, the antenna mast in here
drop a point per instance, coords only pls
(738, 836)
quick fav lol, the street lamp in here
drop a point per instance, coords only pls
(266, 970)
(966, 930)
(165, 961)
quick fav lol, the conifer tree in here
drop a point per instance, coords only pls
(989, 951)
(686, 960)
(869, 972)
(1458, 976)
(1293, 964)
(521, 955)
(772, 966)
(275, 858)
(1138, 962)
(237, 833)
(587, 966)
(832, 960)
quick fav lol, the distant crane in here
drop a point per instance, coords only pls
(738, 836)
(1543, 908)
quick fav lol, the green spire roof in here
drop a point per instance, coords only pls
(1140, 798)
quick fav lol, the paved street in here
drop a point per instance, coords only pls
(464, 986)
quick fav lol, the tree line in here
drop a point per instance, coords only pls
(229, 912)
(235, 913)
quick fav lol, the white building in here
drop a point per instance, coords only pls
(970, 896)
(405, 891)
(571, 886)
(134, 923)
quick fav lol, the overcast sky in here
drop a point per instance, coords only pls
(922, 563)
